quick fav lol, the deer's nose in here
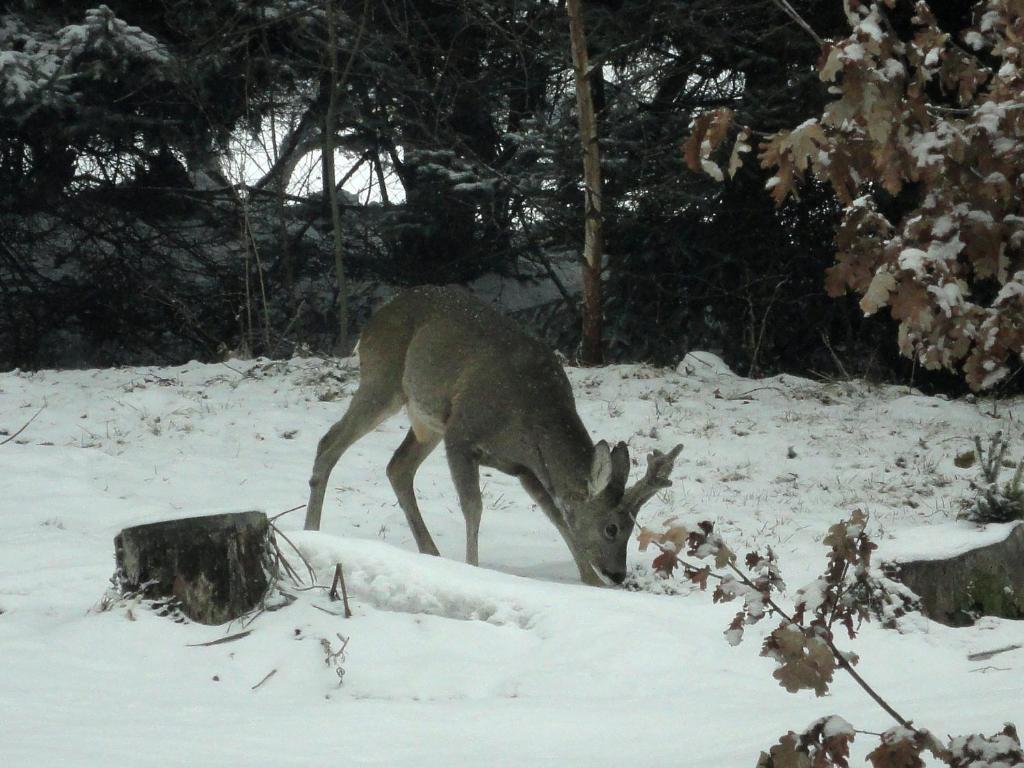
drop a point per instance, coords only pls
(618, 578)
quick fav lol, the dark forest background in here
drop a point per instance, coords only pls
(129, 233)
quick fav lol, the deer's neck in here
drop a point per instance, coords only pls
(565, 453)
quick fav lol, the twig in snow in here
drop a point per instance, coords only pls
(283, 561)
(270, 674)
(23, 427)
(330, 613)
(335, 659)
(219, 641)
(309, 568)
(339, 577)
(255, 615)
(982, 655)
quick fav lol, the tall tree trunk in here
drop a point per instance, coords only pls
(330, 187)
(592, 349)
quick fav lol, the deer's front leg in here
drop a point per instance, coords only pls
(465, 469)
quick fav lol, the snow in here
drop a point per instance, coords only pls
(914, 260)
(812, 595)
(928, 148)
(943, 226)
(1014, 289)
(974, 40)
(988, 115)
(853, 52)
(893, 69)
(939, 256)
(837, 726)
(512, 663)
(948, 296)
(705, 367)
(869, 26)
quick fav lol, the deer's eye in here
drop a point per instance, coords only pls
(611, 530)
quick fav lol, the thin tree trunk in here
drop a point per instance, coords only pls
(330, 188)
(282, 223)
(592, 348)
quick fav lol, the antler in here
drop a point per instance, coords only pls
(659, 466)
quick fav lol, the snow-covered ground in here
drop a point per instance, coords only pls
(513, 663)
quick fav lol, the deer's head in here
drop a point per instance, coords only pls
(603, 523)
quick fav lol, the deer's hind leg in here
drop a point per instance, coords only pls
(465, 468)
(401, 472)
(369, 407)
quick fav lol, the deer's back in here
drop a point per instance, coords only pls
(447, 349)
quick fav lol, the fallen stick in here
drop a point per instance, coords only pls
(329, 613)
(982, 655)
(23, 427)
(228, 639)
(270, 674)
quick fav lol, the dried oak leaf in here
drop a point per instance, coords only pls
(740, 146)
(902, 747)
(911, 301)
(676, 536)
(692, 146)
(788, 753)
(699, 576)
(718, 129)
(707, 133)
(877, 294)
(665, 563)
(646, 537)
(805, 662)
(901, 754)
(805, 142)
(776, 153)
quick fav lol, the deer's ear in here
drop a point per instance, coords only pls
(600, 468)
(620, 470)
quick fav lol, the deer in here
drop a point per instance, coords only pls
(499, 398)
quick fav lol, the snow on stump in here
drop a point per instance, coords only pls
(213, 569)
(706, 367)
(986, 581)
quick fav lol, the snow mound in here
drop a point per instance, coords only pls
(392, 579)
(705, 366)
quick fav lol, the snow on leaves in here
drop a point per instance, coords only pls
(977, 751)
(934, 116)
(707, 133)
(901, 747)
(825, 743)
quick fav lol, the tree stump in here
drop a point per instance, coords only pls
(213, 568)
(985, 581)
